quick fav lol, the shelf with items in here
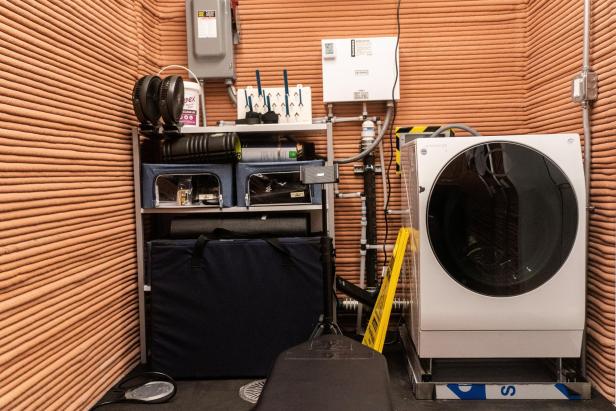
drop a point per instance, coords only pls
(257, 128)
(217, 210)
(274, 128)
(148, 145)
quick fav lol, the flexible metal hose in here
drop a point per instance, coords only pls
(368, 150)
(452, 126)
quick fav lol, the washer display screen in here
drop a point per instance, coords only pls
(502, 219)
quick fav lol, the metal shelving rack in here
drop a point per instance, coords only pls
(282, 129)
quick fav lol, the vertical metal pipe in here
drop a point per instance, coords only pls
(586, 58)
(587, 149)
(231, 91)
(139, 245)
(383, 167)
(362, 264)
(586, 106)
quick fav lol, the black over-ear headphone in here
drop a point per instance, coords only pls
(153, 98)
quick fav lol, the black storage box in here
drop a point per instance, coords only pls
(212, 184)
(275, 183)
(228, 312)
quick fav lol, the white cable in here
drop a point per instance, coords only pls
(194, 77)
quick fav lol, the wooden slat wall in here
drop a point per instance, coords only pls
(460, 61)
(68, 319)
(554, 57)
(68, 296)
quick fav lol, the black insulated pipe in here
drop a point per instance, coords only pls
(371, 238)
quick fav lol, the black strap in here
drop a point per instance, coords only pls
(275, 243)
(221, 233)
(197, 255)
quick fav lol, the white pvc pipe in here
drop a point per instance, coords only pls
(362, 264)
(384, 170)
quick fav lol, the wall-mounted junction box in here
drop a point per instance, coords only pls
(360, 69)
(209, 35)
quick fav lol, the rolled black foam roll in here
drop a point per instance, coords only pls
(279, 226)
(203, 148)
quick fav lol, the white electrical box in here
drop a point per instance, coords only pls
(360, 69)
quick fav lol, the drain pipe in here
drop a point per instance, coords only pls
(585, 92)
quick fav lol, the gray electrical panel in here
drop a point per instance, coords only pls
(209, 34)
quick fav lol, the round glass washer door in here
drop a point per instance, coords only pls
(502, 219)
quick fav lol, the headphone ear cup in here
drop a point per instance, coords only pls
(137, 99)
(171, 99)
(145, 99)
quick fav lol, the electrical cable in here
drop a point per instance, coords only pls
(391, 132)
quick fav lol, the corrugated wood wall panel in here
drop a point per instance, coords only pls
(501, 66)
(554, 57)
(459, 62)
(68, 295)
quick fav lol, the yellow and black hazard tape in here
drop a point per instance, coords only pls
(419, 130)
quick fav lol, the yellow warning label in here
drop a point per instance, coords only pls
(379, 320)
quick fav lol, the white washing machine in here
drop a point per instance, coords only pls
(497, 269)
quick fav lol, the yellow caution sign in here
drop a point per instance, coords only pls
(379, 320)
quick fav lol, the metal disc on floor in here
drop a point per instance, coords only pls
(252, 391)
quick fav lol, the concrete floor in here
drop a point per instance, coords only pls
(222, 395)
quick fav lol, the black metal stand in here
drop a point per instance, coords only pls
(326, 324)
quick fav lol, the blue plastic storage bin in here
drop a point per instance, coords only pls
(212, 184)
(275, 183)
